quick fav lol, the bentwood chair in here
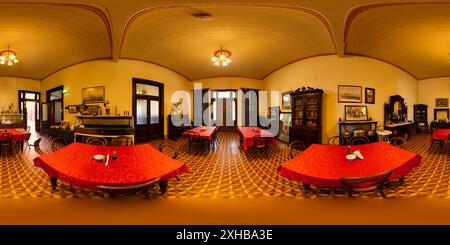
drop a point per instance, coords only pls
(261, 143)
(171, 150)
(122, 141)
(366, 183)
(358, 140)
(399, 142)
(96, 141)
(295, 148)
(195, 141)
(337, 140)
(58, 143)
(6, 141)
(113, 190)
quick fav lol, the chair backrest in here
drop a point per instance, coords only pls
(169, 149)
(58, 143)
(359, 140)
(193, 135)
(96, 141)
(260, 141)
(365, 183)
(122, 141)
(398, 142)
(295, 148)
(337, 140)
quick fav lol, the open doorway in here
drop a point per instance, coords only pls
(224, 108)
(55, 103)
(29, 105)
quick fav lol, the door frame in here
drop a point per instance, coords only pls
(37, 105)
(235, 99)
(160, 98)
(244, 106)
(47, 101)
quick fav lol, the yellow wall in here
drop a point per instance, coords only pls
(236, 83)
(430, 89)
(9, 87)
(327, 72)
(117, 79)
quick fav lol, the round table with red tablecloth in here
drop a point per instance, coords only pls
(325, 165)
(74, 164)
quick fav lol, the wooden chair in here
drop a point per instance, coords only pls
(359, 140)
(28, 128)
(58, 143)
(112, 190)
(295, 148)
(96, 141)
(399, 142)
(366, 183)
(171, 150)
(195, 141)
(261, 143)
(337, 140)
(36, 143)
(122, 141)
(6, 141)
(215, 140)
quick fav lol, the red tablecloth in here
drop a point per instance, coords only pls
(441, 134)
(74, 165)
(17, 135)
(204, 132)
(324, 165)
(248, 133)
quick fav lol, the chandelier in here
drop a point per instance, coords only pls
(221, 57)
(8, 57)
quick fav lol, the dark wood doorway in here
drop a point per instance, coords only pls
(250, 107)
(55, 105)
(148, 109)
(224, 106)
(30, 106)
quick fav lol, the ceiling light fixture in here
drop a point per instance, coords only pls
(221, 57)
(8, 57)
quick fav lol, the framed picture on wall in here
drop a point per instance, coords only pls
(356, 113)
(441, 102)
(286, 100)
(370, 96)
(349, 94)
(93, 95)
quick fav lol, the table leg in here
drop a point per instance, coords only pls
(53, 181)
(401, 180)
(163, 186)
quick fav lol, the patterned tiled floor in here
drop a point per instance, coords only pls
(227, 172)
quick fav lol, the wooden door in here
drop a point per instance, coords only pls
(148, 110)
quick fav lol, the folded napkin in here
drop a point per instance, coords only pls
(358, 154)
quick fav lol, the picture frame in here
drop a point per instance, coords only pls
(349, 94)
(441, 102)
(369, 96)
(286, 100)
(73, 109)
(93, 95)
(356, 113)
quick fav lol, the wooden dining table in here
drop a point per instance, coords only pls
(75, 165)
(325, 165)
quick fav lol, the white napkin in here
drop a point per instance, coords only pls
(107, 160)
(358, 154)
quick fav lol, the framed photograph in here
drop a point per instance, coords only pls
(93, 95)
(356, 113)
(73, 109)
(370, 96)
(441, 102)
(349, 94)
(286, 100)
